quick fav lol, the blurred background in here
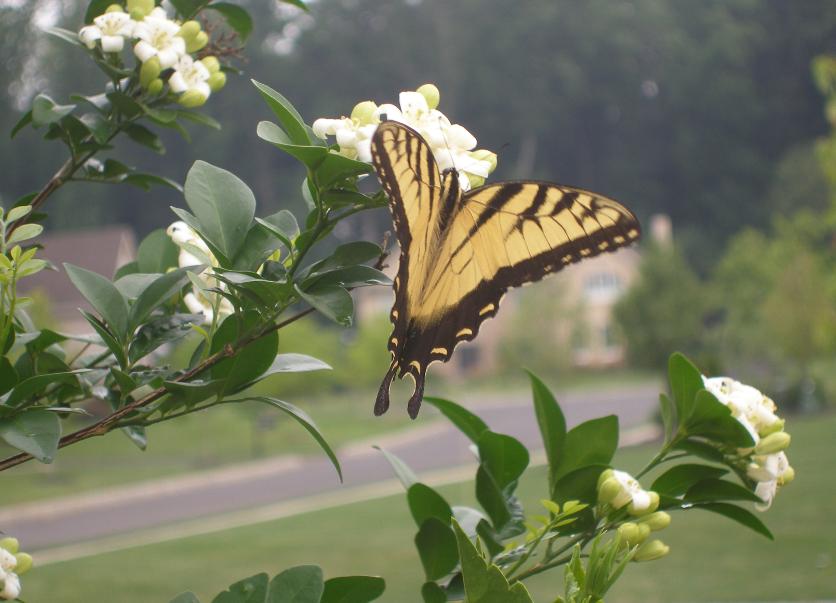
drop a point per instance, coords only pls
(702, 117)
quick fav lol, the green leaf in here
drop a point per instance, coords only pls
(287, 114)
(436, 544)
(159, 331)
(107, 337)
(305, 421)
(199, 118)
(158, 292)
(580, 484)
(424, 502)
(433, 593)
(257, 247)
(297, 4)
(735, 513)
(66, 35)
(712, 490)
(185, 598)
(95, 8)
(142, 135)
(132, 285)
(668, 412)
(686, 381)
(350, 276)
(35, 432)
(712, 419)
(24, 121)
(302, 584)
(552, 425)
(249, 590)
(24, 233)
(312, 156)
(8, 375)
(126, 105)
(678, 479)
(296, 363)
(402, 470)
(146, 181)
(283, 225)
(195, 225)
(335, 168)
(223, 205)
(103, 296)
(45, 111)
(236, 17)
(591, 443)
(192, 392)
(251, 361)
(189, 8)
(464, 420)
(484, 582)
(157, 252)
(36, 384)
(349, 254)
(98, 126)
(331, 301)
(353, 589)
(703, 450)
(504, 457)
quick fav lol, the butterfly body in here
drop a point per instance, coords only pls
(462, 251)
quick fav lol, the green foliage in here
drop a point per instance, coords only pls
(663, 310)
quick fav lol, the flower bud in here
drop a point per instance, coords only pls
(216, 81)
(656, 521)
(632, 534)
(212, 64)
(643, 507)
(140, 8)
(485, 155)
(475, 180)
(431, 94)
(199, 41)
(189, 30)
(155, 87)
(363, 112)
(24, 563)
(10, 544)
(149, 71)
(787, 476)
(191, 99)
(650, 551)
(774, 442)
(114, 8)
(608, 490)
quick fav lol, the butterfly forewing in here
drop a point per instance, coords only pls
(460, 254)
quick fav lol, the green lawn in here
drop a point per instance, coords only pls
(711, 559)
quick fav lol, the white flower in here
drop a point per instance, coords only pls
(451, 144)
(619, 489)
(7, 561)
(190, 75)
(748, 405)
(111, 28)
(194, 251)
(770, 471)
(11, 586)
(158, 38)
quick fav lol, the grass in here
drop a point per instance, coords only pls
(232, 434)
(711, 558)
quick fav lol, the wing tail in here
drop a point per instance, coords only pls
(414, 404)
(381, 404)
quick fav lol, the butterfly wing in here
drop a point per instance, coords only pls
(413, 185)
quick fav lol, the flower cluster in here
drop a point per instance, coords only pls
(163, 46)
(767, 463)
(193, 252)
(13, 564)
(619, 489)
(451, 144)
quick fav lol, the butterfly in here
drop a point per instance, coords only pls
(461, 251)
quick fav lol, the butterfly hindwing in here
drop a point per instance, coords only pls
(470, 249)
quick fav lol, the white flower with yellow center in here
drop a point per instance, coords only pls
(194, 251)
(111, 29)
(770, 471)
(619, 489)
(191, 79)
(158, 38)
(451, 144)
(9, 581)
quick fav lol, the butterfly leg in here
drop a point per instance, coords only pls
(381, 404)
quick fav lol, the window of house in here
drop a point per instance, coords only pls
(603, 286)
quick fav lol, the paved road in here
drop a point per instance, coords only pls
(427, 447)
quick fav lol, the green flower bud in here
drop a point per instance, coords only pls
(155, 87)
(114, 8)
(608, 490)
(605, 475)
(774, 428)
(431, 93)
(650, 551)
(475, 180)
(189, 30)
(212, 64)
(630, 534)
(10, 544)
(485, 155)
(656, 521)
(139, 8)
(24, 563)
(191, 99)
(149, 71)
(774, 442)
(199, 41)
(363, 113)
(216, 81)
(787, 476)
